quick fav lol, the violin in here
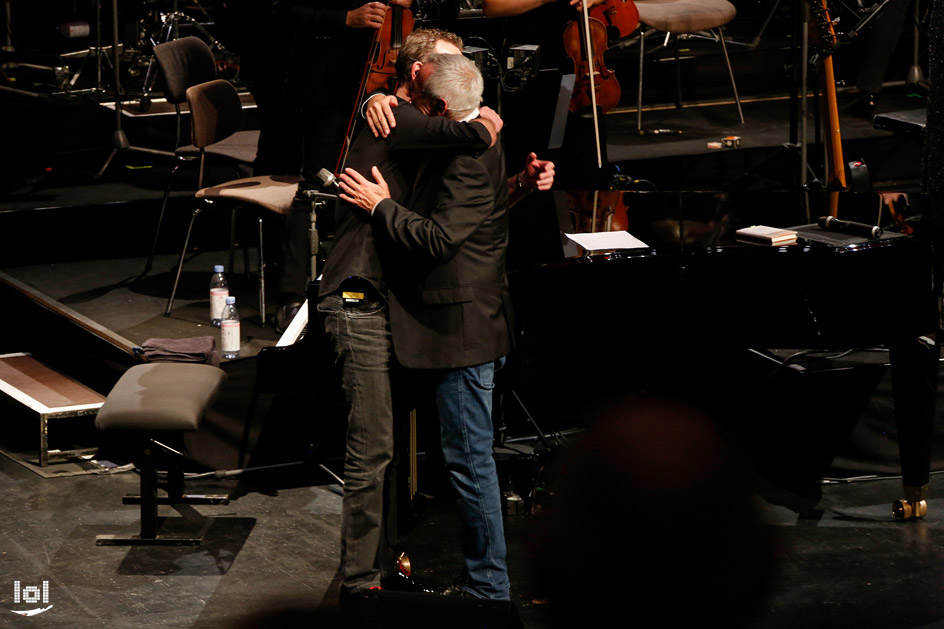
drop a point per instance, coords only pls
(620, 15)
(595, 85)
(598, 211)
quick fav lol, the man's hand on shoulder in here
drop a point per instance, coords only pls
(359, 191)
(379, 114)
(492, 121)
(370, 15)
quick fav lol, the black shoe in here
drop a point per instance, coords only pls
(284, 315)
(457, 590)
(354, 598)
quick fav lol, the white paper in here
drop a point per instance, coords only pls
(607, 240)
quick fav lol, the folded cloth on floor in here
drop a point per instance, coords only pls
(198, 349)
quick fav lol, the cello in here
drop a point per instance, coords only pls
(380, 70)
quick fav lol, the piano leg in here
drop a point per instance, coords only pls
(914, 368)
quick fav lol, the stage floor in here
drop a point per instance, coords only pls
(271, 556)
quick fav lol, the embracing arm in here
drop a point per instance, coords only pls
(465, 199)
(419, 131)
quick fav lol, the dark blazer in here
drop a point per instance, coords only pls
(397, 156)
(444, 260)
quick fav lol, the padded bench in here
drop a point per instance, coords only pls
(155, 403)
(49, 394)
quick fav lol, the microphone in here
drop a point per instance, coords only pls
(327, 181)
(328, 188)
(833, 224)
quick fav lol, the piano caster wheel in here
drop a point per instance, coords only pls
(907, 510)
(914, 505)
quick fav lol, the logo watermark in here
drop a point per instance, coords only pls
(31, 595)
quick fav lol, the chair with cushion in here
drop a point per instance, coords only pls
(684, 17)
(155, 404)
(216, 113)
(183, 63)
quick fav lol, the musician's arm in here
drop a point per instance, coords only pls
(507, 8)
(324, 17)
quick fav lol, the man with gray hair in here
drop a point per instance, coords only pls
(449, 304)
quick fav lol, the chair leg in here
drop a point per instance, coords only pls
(180, 265)
(148, 494)
(262, 287)
(727, 60)
(642, 50)
(160, 218)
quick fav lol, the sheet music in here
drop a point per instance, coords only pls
(607, 240)
(295, 327)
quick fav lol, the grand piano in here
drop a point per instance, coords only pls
(679, 316)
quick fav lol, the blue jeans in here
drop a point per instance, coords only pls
(464, 402)
(360, 338)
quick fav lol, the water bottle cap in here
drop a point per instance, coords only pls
(217, 268)
(231, 300)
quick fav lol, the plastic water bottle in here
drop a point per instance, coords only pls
(219, 291)
(229, 329)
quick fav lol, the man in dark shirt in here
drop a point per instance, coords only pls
(352, 306)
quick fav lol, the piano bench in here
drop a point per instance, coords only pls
(50, 395)
(157, 403)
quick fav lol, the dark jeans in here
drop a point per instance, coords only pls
(360, 338)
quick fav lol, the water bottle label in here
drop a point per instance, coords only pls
(217, 302)
(229, 336)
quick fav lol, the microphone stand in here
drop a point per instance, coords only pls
(799, 107)
(119, 140)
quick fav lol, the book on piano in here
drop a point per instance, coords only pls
(763, 235)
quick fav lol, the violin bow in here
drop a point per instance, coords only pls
(593, 87)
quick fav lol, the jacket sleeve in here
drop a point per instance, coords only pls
(464, 200)
(322, 17)
(417, 131)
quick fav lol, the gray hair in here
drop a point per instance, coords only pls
(456, 80)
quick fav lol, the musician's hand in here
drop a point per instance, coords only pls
(379, 114)
(538, 174)
(578, 4)
(370, 15)
(402, 3)
(360, 191)
(492, 116)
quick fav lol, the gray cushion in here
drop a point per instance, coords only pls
(241, 147)
(685, 16)
(160, 396)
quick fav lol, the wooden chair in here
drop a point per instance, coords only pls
(184, 63)
(216, 114)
